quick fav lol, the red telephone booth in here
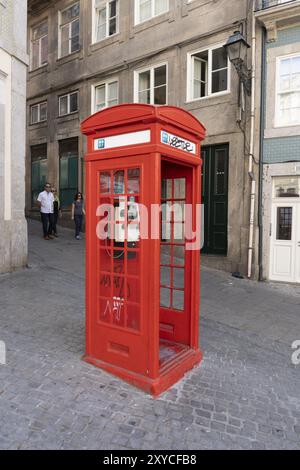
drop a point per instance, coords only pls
(143, 171)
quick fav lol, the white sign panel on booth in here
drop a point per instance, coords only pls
(122, 140)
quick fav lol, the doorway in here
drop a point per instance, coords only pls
(215, 198)
(285, 231)
(175, 262)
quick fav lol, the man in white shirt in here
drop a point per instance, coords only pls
(45, 202)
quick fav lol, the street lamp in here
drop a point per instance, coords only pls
(236, 48)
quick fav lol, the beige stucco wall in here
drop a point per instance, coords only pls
(167, 38)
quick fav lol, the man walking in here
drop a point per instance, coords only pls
(45, 202)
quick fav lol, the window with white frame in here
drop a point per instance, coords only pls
(38, 112)
(69, 30)
(288, 91)
(39, 45)
(151, 85)
(106, 15)
(208, 72)
(147, 9)
(105, 94)
(68, 103)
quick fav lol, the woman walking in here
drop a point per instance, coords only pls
(56, 210)
(77, 214)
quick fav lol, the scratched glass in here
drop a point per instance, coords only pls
(118, 311)
(179, 188)
(165, 295)
(165, 254)
(179, 254)
(178, 299)
(165, 276)
(105, 260)
(105, 185)
(166, 189)
(178, 278)
(133, 289)
(133, 316)
(119, 261)
(119, 182)
(119, 287)
(133, 263)
(133, 181)
(105, 310)
(105, 284)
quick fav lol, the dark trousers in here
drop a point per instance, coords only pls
(78, 224)
(47, 221)
(55, 219)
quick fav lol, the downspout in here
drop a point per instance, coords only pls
(251, 153)
(261, 166)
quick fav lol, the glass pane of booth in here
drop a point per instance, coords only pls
(105, 179)
(172, 257)
(119, 259)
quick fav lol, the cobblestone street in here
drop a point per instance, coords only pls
(244, 395)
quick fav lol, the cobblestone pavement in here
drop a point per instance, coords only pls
(244, 395)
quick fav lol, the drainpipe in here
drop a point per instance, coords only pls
(251, 153)
(261, 138)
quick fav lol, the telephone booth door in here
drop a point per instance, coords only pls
(175, 273)
(117, 331)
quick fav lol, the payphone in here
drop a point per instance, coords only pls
(142, 275)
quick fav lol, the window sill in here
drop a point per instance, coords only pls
(69, 57)
(163, 18)
(68, 117)
(104, 42)
(205, 98)
(38, 125)
(38, 71)
(190, 6)
(282, 131)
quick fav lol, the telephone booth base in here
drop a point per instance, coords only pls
(173, 367)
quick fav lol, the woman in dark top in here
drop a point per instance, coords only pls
(56, 210)
(77, 214)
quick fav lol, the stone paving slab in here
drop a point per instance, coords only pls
(244, 395)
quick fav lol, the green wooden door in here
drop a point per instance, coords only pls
(215, 199)
(68, 171)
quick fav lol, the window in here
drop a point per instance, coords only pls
(39, 45)
(286, 186)
(288, 91)
(38, 113)
(68, 104)
(39, 170)
(106, 19)
(146, 9)
(208, 73)
(68, 171)
(151, 85)
(105, 95)
(69, 30)
(284, 223)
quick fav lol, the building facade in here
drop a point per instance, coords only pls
(13, 68)
(280, 139)
(89, 54)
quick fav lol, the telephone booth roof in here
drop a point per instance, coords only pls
(132, 114)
